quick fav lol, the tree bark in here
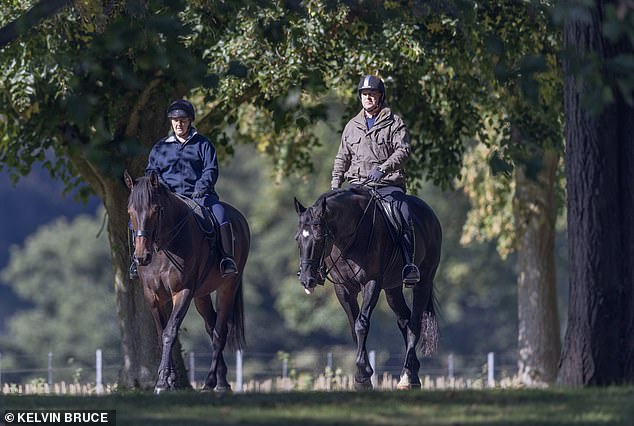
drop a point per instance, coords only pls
(598, 345)
(535, 214)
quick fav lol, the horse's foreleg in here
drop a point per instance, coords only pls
(350, 306)
(166, 371)
(371, 292)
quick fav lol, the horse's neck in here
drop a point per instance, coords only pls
(344, 218)
(175, 212)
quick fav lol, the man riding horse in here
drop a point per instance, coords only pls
(186, 162)
(374, 148)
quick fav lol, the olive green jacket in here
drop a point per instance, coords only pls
(386, 145)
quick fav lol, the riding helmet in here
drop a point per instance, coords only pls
(181, 109)
(371, 82)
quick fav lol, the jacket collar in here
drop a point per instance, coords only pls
(172, 137)
(384, 118)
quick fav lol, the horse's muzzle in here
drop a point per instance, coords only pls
(308, 280)
(143, 260)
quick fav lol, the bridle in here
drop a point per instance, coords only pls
(157, 245)
(329, 239)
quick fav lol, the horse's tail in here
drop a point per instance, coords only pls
(235, 337)
(429, 335)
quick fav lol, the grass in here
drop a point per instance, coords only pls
(591, 406)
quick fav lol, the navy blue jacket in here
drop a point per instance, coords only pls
(189, 168)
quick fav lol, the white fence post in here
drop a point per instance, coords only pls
(329, 365)
(450, 366)
(98, 372)
(238, 371)
(192, 368)
(490, 370)
(50, 369)
(284, 367)
(373, 365)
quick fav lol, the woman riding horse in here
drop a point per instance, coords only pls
(186, 162)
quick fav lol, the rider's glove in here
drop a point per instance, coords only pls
(376, 175)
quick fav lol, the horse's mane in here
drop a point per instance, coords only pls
(144, 195)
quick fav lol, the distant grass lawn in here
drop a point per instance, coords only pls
(594, 406)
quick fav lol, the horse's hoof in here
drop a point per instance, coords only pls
(159, 390)
(363, 385)
(406, 383)
(223, 389)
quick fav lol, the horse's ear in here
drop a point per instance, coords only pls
(299, 208)
(154, 180)
(129, 182)
(324, 204)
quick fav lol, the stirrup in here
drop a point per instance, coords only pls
(411, 275)
(228, 267)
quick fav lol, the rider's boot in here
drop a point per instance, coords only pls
(411, 275)
(134, 271)
(228, 265)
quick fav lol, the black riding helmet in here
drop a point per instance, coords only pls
(371, 82)
(181, 109)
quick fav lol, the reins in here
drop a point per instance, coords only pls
(329, 235)
(171, 234)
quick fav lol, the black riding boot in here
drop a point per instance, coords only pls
(134, 272)
(411, 275)
(227, 263)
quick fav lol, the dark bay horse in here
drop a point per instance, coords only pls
(178, 264)
(343, 235)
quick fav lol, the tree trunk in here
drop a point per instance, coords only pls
(598, 346)
(538, 317)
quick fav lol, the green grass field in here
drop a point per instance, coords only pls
(593, 406)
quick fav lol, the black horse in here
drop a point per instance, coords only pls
(178, 264)
(346, 236)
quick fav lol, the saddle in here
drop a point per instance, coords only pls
(206, 221)
(392, 216)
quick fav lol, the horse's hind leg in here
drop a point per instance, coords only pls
(409, 373)
(205, 308)
(218, 330)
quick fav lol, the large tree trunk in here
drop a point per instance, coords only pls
(538, 317)
(598, 346)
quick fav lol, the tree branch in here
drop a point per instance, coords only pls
(42, 10)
